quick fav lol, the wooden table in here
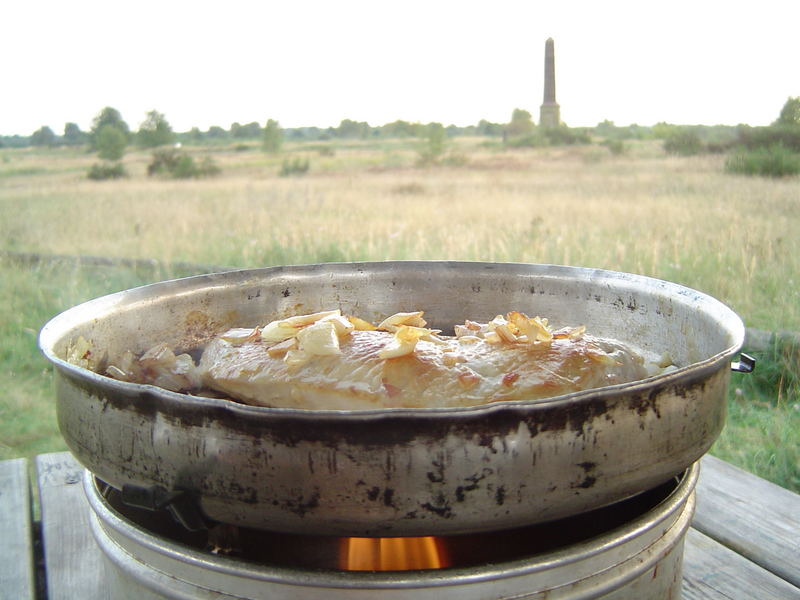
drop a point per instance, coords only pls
(744, 542)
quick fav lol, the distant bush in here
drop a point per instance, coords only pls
(773, 161)
(101, 171)
(787, 136)
(179, 165)
(566, 136)
(531, 140)
(454, 159)
(719, 147)
(790, 113)
(272, 138)
(434, 144)
(110, 142)
(683, 142)
(555, 136)
(521, 124)
(616, 146)
(43, 136)
(294, 166)
(321, 149)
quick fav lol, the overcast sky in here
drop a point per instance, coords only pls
(305, 62)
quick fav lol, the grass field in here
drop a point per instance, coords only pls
(680, 219)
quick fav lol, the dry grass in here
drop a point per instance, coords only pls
(681, 219)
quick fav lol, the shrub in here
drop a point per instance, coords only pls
(272, 139)
(521, 123)
(616, 146)
(101, 171)
(553, 136)
(294, 166)
(173, 163)
(321, 149)
(532, 140)
(764, 137)
(433, 145)
(773, 161)
(683, 142)
(565, 136)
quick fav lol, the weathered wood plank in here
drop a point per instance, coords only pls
(713, 572)
(72, 558)
(750, 515)
(16, 531)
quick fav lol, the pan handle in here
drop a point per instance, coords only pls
(745, 364)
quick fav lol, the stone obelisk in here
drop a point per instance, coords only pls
(549, 113)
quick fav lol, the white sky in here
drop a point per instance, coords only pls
(307, 62)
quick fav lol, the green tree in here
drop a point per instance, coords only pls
(273, 136)
(521, 123)
(790, 113)
(73, 135)
(489, 129)
(108, 116)
(215, 131)
(43, 136)
(155, 131)
(435, 143)
(110, 142)
(401, 128)
(353, 129)
(251, 130)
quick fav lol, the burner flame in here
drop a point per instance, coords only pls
(392, 554)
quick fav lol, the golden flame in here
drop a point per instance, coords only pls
(392, 554)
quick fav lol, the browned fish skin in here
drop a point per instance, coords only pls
(450, 373)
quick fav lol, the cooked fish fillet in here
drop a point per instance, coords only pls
(440, 372)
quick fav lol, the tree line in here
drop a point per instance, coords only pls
(155, 130)
(110, 134)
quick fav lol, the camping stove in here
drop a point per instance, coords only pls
(630, 549)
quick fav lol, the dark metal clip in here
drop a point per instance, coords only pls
(150, 498)
(745, 364)
(181, 506)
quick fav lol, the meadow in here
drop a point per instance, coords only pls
(677, 218)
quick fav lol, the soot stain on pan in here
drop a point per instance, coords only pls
(437, 474)
(293, 429)
(587, 482)
(300, 506)
(248, 495)
(589, 479)
(474, 484)
(570, 416)
(642, 404)
(386, 497)
(441, 508)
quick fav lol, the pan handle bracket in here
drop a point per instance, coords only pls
(745, 364)
(183, 508)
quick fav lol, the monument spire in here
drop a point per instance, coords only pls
(549, 113)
